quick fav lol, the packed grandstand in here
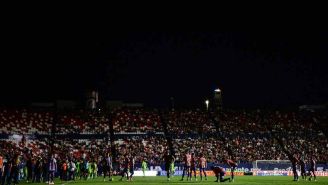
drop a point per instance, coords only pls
(244, 136)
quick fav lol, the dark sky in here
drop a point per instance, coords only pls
(252, 68)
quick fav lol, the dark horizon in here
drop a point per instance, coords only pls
(252, 69)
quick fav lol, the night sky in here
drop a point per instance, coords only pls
(252, 69)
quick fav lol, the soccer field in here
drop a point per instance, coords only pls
(176, 181)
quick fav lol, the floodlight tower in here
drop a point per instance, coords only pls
(207, 102)
(92, 99)
(217, 100)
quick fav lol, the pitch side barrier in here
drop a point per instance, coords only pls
(241, 170)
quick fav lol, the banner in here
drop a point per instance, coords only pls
(317, 173)
(244, 167)
(270, 173)
(147, 173)
(285, 173)
(208, 173)
(321, 173)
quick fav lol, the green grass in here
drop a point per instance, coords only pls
(175, 181)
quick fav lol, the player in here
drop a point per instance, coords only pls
(312, 168)
(187, 164)
(172, 168)
(85, 169)
(78, 169)
(232, 166)
(303, 167)
(29, 167)
(14, 173)
(294, 161)
(52, 169)
(72, 169)
(64, 171)
(144, 166)
(6, 170)
(192, 167)
(82, 166)
(219, 173)
(1, 165)
(202, 164)
(107, 166)
(131, 166)
(93, 169)
(168, 159)
(125, 167)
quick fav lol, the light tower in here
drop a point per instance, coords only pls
(207, 102)
(92, 99)
(217, 100)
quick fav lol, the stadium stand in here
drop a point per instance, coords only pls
(246, 136)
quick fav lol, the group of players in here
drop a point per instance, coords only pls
(299, 161)
(191, 162)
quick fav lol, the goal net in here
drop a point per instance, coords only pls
(272, 164)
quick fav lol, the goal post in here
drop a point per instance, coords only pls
(272, 164)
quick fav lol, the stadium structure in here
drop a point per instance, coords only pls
(259, 141)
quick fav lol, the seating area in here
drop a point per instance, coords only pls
(246, 135)
(83, 122)
(189, 122)
(136, 120)
(23, 121)
(149, 148)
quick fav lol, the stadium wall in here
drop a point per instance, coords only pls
(241, 170)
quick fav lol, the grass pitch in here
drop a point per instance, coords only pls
(248, 180)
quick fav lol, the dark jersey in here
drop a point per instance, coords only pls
(193, 162)
(218, 170)
(302, 164)
(104, 163)
(126, 163)
(312, 164)
(292, 159)
(7, 167)
(131, 163)
(169, 159)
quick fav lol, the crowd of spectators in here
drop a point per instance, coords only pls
(136, 120)
(245, 135)
(149, 148)
(255, 135)
(83, 122)
(189, 122)
(23, 121)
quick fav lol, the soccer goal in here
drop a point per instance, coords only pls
(272, 164)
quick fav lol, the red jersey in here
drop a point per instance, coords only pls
(187, 159)
(1, 162)
(202, 162)
(64, 166)
(231, 163)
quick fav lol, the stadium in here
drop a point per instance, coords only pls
(98, 139)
